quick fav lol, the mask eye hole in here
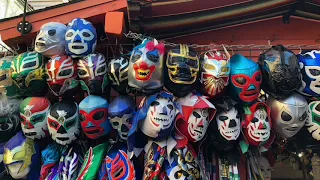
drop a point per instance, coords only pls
(37, 119)
(136, 56)
(3, 77)
(258, 78)
(255, 120)
(69, 34)
(209, 67)
(30, 64)
(115, 124)
(155, 103)
(53, 124)
(316, 118)
(223, 118)
(318, 107)
(303, 117)
(82, 72)
(101, 70)
(65, 73)
(70, 123)
(285, 116)
(98, 115)
(52, 32)
(224, 69)
(195, 114)
(82, 118)
(314, 72)
(85, 34)
(241, 80)
(170, 106)
(153, 58)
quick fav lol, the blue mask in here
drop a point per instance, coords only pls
(81, 38)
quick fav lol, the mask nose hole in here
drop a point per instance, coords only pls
(232, 123)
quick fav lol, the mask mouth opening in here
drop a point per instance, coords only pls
(93, 131)
(63, 138)
(77, 47)
(40, 44)
(31, 133)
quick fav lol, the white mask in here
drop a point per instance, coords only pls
(198, 123)
(259, 127)
(229, 124)
(122, 125)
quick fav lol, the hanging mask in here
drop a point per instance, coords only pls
(9, 118)
(63, 122)
(7, 87)
(94, 116)
(181, 71)
(313, 120)
(146, 66)
(50, 156)
(288, 114)
(215, 71)
(50, 39)
(22, 157)
(121, 112)
(2, 169)
(228, 123)
(310, 69)
(257, 123)
(280, 71)
(81, 38)
(197, 112)
(92, 71)
(153, 160)
(33, 114)
(118, 74)
(61, 75)
(27, 73)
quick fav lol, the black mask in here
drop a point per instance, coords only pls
(118, 74)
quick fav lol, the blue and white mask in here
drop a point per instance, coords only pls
(81, 38)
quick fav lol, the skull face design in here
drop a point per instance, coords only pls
(81, 38)
(118, 74)
(94, 116)
(288, 114)
(121, 111)
(313, 120)
(63, 122)
(9, 118)
(215, 71)
(50, 39)
(229, 124)
(245, 79)
(198, 123)
(33, 113)
(7, 88)
(92, 70)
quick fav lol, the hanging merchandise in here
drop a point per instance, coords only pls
(7, 87)
(280, 71)
(50, 156)
(264, 166)
(33, 114)
(181, 70)
(121, 112)
(245, 79)
(63, 122)
(51, 39)
(215, 71)
(288, 114)
(146, 66)
(118, 74)
(92, 70)
(81, 38)
(9, 118)
(310, 69)
(62, 75)
(27, 73)
(22, 157)
(94, 117)
(228, 123)
(313, 120)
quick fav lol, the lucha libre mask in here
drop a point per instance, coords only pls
(9, 118)
(27, 73)
(181, 71)
(50, 39)
(197, 112)
(265, 168)
(313, 120)
(33, 114)
(61, 74)
(118, 74)
(121, 111)
(146, 66)
(245, 79)
(215, 71)
(94, 116)
(257, 123)
(7, 88)
(310, 69)
(280, 71)
(92, 70)
(81, 38)
(288, 114)
(22, 157)
(63, 122)
(228, 123)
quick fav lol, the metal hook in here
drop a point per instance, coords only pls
(18, 47)
(300, 51)
(102, 38)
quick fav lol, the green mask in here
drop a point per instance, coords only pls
(7, 87)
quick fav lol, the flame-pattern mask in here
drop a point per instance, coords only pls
(245, 79)
(61, 74)
(313, 120)
(228, 123)
(50, 39)
(92, 70)
(22, 157)
(121, 112)
(7, 87)
(9, 118)
(33, 114)
(63, 122)
(146, 66)
(215, 71)
(81, 38)
(94, 117)
(288, 114)
(27, 73)
(257, 123)
(310, 69)
(118, 74)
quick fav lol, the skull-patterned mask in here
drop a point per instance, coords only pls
(229, 124)
(63, 122)
(33, 113)
(313, 120)
(50, 39)
(118, 74)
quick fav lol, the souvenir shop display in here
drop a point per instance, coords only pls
(7, 88)
(118, 74)
(9, 118)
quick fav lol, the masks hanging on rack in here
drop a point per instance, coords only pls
(313, 120)
(50, 39)
(118, 74)
(81, 38)
(146, 66)
(288, 114)
(9, 118)
(33, 114)
(280, 71)
(245, 79)
(228, 123)
(181, 70)
(7, 88)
